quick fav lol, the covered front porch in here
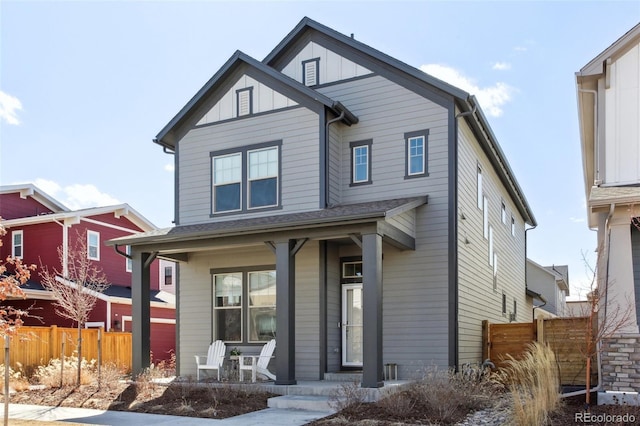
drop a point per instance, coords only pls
(303, 340)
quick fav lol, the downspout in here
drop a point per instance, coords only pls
(453, 217)
(326, 156)
(596, 136)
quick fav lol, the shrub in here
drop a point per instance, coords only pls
(534, 385)
(49, 375)
(17, 380)
(347, 395)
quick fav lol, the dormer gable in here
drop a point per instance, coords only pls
(243, 87)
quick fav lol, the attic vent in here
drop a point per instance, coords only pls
(245, 101)
(310, 75)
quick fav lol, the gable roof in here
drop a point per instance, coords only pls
(467, 103)
(30, 190)
(198, 105)
(596, 66)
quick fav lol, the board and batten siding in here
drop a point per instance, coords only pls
(622, 118)
(196, 310)
(331, 66)
(300, 180)
(387, 111)
(477, 299)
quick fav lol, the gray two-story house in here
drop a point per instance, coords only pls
(352, 207)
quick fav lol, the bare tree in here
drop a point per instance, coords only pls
(604, 318)
(13, 274)
(77, 290)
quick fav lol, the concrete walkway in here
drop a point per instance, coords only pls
(268, 417)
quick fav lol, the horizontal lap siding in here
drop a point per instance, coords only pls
(386, 112)
(195, 314)
(415, 304)
(477, 299)
(300, 180)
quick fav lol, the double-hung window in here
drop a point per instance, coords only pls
(17, 244)
(244, 305)
(263, 177)
(245, 178)
(360, 162)
(93, 245)
(227, 180)
(416, 154)
(227, 306)
(262, 306)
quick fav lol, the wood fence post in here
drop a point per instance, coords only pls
(486, 340)
(6, 378)
(53, 343)
(540, 330)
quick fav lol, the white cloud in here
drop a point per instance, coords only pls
(501, 66)
(9, 106)
(491, 98)
(169, 167)
(520, 49)
(76, 196)
(577, 219)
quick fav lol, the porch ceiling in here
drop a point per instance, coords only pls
(330, 223)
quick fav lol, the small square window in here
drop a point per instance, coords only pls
(168, 275)
(352, 269)
(416, 154)
(310, 74)
(93, 245)
(244, 101)
(17, 245)
(360, 162)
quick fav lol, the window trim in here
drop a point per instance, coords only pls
(504, 304)
(238, 94)
(485, 216)
(513, 226)
(352, 147)
(171, 269)
(244, 176)
(479, 187)
(128, 261)
(249, 180)
(97, 234)
(249, 306)
(425, 154)
(304, 71)
(213, 158)
(14, 234)
(503, 212)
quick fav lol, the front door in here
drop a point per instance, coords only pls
(352, 325)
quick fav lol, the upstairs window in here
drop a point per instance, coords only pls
(360, 162)
(227, 179)
(310, 74)
(17, 244)
(244, 101)
(245, 178)
(263, 177)
(93, 245)
(416, 154)
(503, 213)
(485, 216)
(513, 226)
(128, 261)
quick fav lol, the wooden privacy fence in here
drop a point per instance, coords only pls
(566, 337)
(34, 346)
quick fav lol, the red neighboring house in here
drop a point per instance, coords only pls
(37, 225)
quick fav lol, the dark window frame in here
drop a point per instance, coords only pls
(411, 135)
(352, 146)
(244, 178)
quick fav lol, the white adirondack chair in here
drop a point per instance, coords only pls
(259, 363)
(214, 358)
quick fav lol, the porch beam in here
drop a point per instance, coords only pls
(396, 237)
(356, 239)
(285, 312)
(372, 310)
(140, 311)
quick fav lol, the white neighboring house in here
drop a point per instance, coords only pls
(608, 94)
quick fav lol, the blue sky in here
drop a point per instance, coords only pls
(85, 87)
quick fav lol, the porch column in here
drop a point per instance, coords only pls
(372, 311)
(285, 313)
(620, 280)
(140, 311)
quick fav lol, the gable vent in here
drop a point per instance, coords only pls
(310, 72)
(244, 101)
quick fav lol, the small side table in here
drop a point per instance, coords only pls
(233, 368)
(391, 371)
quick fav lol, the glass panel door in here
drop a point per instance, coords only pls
(352, 325)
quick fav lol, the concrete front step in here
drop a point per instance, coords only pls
(301, 402)
(343, 377)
